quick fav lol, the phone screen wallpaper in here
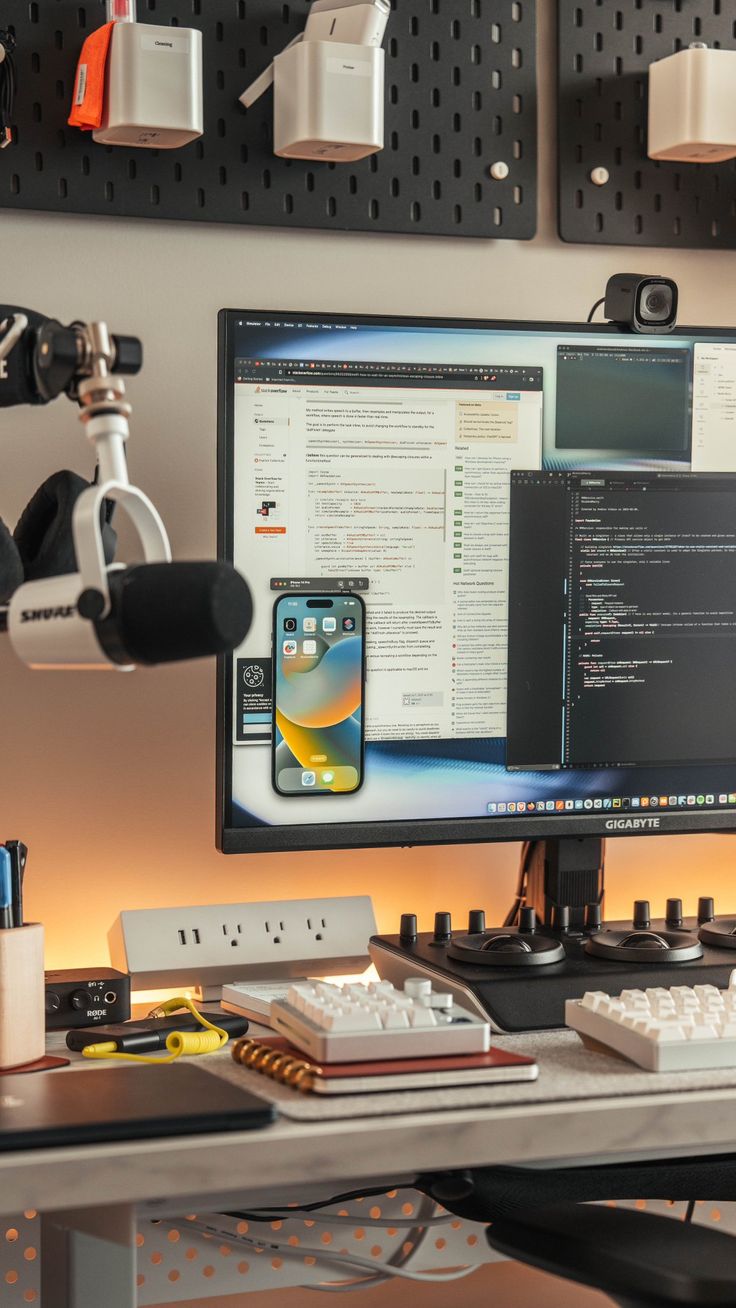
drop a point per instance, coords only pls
(318, 728)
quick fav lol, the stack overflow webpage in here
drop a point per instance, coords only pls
(374, 460)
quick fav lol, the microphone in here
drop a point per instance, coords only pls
(167, 612)
(159, 613)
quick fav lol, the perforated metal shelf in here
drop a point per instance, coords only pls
(605, 48)
(460, 96)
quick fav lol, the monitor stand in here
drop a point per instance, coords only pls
(564, 873)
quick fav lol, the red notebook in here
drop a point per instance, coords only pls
(292, 1067)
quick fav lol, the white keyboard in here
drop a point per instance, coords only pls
(360, 1022)
(683, 1028)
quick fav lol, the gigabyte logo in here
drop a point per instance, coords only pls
(169, 44)
(631, 824)
(45, 615)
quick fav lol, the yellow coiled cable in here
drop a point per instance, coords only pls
(178, 1043)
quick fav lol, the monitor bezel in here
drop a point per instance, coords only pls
(263, 838)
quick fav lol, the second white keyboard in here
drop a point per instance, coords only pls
(361, 1022)
(682, 1028)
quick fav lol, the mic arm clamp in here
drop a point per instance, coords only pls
(104, 413)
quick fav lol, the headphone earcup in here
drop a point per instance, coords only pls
(43, 535)
(11, 566)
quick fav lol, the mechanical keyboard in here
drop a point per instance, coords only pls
(357, 1022)
(680, 1028)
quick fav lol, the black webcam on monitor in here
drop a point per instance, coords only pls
(643, 304)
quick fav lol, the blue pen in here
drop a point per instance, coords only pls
(6, 889)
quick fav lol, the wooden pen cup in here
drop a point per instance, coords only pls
(22, 996)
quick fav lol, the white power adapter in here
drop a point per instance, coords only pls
(153, 87)
(692, 106)
(328, 84)
(328, 101)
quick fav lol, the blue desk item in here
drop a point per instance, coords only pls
(6, 889)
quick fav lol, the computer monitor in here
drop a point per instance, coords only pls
(368, 467)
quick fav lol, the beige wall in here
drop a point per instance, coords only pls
(109, 778)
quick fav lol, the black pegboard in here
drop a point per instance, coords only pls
(605, 48)
(460, 95)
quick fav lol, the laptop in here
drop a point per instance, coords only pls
(44, 1109)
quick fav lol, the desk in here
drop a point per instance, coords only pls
(90, 1195)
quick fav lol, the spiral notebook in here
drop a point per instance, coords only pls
(274, 1057)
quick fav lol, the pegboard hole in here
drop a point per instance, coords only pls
(516, 12)
(288, 204)
(497, 216)
(517, 104)
(63, 188)
(395, 187)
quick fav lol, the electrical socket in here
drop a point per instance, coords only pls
(206, 946)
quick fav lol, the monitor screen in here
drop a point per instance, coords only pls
(378, 479)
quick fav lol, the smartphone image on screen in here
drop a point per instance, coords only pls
(318, 692)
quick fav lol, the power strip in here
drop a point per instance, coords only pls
(206, 946)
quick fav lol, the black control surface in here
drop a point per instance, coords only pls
(532, 998)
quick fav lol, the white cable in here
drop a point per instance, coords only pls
(330, 1220)
(322, 1256)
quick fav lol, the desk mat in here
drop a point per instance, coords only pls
(567, 1071)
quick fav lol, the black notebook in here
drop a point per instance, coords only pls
(125, 1103)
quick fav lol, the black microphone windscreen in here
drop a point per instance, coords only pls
(11, 566)
(165, 612)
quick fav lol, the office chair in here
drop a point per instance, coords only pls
(640, 1260)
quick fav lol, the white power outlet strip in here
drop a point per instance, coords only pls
(207, 946)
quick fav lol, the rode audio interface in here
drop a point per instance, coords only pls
(83, 997)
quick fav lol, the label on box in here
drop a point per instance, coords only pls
(350, 67)
(166, 44)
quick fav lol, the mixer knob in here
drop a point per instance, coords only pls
(673, 916)
(476, 921)
(706, 909)
(593, 921)
(560, 917)
(442, 928)
(528, 918)
(408, 929)
(642, 915)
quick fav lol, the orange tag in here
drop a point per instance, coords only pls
(89, 84)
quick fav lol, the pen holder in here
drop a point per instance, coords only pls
(22, 996)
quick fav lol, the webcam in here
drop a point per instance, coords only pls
(643, 304)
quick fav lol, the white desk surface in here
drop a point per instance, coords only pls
(640, 1116)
